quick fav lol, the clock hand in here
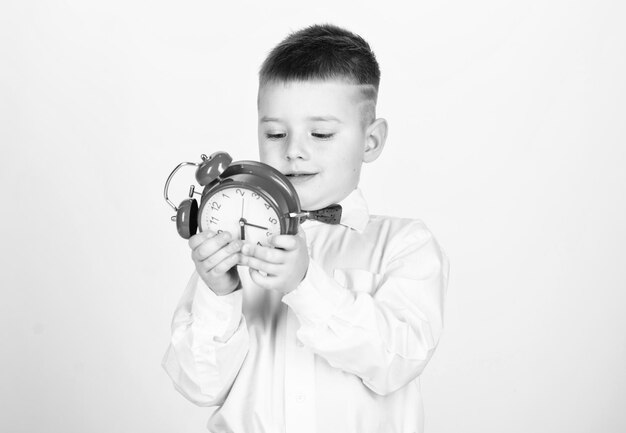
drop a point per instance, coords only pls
(253, 225)
(242, 229)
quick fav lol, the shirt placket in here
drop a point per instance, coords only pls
(299, 381)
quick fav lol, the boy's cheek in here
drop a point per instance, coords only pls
(268, 157)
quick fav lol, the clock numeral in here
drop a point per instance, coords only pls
(267, 206)
(224, 195)
(268, 234)
(259, 244)
(220, 231)
(240, 191)
(255, 195)
(273, 220)
(215, 206)
(213, 220)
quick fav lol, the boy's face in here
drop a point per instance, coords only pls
(313, 132)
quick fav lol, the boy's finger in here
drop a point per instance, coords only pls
(198, 238)
(271, 255)
(259, 265)
(214, 259)
(208, 261)
(286, 242)
(210, 246)
(225, 265)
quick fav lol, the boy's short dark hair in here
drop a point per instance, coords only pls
(323, 52)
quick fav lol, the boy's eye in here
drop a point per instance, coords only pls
(277, 136)
(322, 136)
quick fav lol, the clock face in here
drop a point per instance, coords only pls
(243, 212)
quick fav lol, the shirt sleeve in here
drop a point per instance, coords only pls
(208, 345)
(384, 334)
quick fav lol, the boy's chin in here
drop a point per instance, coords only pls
(318, 195)
(318, 200)
(313, 204)
(310, 203)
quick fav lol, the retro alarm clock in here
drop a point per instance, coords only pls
(251, 200)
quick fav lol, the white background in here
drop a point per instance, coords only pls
(507, 138)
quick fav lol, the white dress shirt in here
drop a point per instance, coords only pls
(341, 353)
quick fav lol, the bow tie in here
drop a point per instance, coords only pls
(329, 215)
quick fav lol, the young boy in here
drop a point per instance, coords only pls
(329, 330)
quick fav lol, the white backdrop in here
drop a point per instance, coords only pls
(507, 138)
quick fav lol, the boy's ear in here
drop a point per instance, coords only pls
(375, 137)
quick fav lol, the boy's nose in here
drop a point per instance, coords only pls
(296, 148)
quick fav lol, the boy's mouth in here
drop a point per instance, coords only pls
(297, 178)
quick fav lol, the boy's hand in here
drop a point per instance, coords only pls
(285, 265)
(215, 257)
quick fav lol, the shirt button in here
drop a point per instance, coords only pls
(300, 398)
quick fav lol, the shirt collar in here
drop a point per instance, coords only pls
(354, 211)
